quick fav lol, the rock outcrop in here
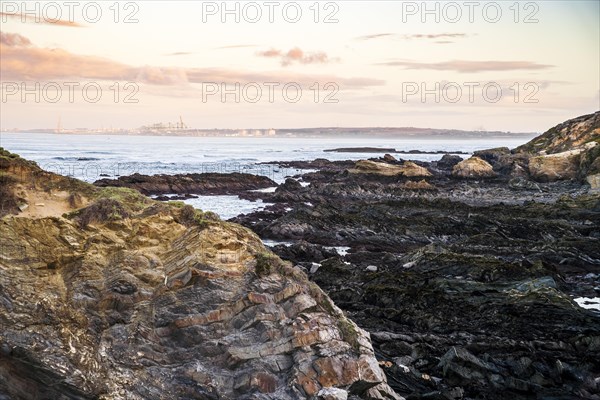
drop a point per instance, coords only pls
(203, 184)
(131, 298)
(569, 151)
(565, 136)
(408, 169)
(473, 167)
(559, 166)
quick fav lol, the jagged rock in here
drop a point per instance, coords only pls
(157, 301)
(491, 155)
(205, 184)
(389, 158)
(565, 136)
(461, 367)
(568, 151)
(408, 169)
(448, 161)
(473, 167)
(332, 394)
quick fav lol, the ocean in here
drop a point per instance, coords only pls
(93, 157)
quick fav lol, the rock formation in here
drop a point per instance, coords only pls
(467, 290)
(570, 150)
(204, 184)
(110, 295)
(473, 167)
(408, 168)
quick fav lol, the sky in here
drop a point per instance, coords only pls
(517, 66)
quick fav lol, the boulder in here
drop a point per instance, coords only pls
(448, 161)
(555, 167)
(411, 169)
(408, 168)
(473, 167)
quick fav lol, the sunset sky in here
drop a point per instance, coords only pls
(377, 53)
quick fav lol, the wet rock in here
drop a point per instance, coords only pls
(487, 267)
(203, 184)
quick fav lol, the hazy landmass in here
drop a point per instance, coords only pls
(390, 132)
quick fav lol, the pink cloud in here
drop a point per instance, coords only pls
(469, 66)
(296, 55)
(14, 40)
(22, 61)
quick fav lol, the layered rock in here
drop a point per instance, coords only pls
(568, 151)
(204, 184)
(565, 136)
(408, 169)
(559, 166)
(129, 298)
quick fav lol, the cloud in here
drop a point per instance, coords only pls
(435, 36)
(179, 53)
(14, 40)
(235, 46)
(39, 20)
(414, 36)
(22, 61)
(296, 55)
(469, 66)
(374, 36)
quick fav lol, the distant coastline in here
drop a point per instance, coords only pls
(391, 133)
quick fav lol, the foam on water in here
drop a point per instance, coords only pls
(590, 303)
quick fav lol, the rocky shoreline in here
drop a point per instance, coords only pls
(108, 294)
(463, 273)
(387, 150)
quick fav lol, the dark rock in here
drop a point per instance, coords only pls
(203, 184)
(448, 161)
